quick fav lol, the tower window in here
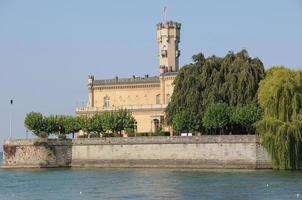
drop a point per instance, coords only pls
(164, 52)
(106, 102)
(158, 99)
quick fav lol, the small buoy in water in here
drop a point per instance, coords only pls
(298, 195)
(80, 192)
(266, 185)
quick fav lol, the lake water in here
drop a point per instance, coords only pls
(91, 184)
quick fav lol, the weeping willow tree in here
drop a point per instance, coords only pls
(233, 79)
(280, 96)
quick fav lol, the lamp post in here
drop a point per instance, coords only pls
(10, 118)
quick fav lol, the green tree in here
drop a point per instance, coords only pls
(95, 125)
(118, 120)
(108, 121)
(34, 122)
(60, 125)
(233, 79)
(91, 125)
(216, 118)
(280, 96)
(244, 117)
(51, 124)
(82, 122)
(124, 120)
(69, 125)
(183, 122)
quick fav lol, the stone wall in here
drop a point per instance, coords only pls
(184, 152)
(37, 153)
(233, 151)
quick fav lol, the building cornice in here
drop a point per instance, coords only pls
(103, 87)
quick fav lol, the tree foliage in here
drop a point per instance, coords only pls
(280, 95)
(34, 122)
(183, 122)
(233, 79)
(117, 121)
(216, 117)
(245, 116)
(94, 125)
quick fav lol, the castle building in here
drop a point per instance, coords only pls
(146, 97)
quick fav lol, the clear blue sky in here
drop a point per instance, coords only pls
(47, 48)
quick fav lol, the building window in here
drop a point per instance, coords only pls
(158, 99)
(168, 98)
(156, 125)
(106, 102)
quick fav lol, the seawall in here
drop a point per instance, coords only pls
(208, 152)
(37, 153)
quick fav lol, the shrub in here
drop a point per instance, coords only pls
(162, 133)
(94, 135)
(142, 134)
(108, 135)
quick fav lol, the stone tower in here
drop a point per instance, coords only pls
(168, 38)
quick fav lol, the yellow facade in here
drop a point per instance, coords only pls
(146, 97)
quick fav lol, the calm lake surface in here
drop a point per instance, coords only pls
(91, 184)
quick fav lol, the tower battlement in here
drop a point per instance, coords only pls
(168, 24)
(90, 80)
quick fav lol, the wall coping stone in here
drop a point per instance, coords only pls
(138, 140)
(37, 142)
(168, 140)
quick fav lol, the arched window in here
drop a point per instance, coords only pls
(106, 102)
(158, 99)
(168, 98)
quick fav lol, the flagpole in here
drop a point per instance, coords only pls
(10, 125)
(165, 13)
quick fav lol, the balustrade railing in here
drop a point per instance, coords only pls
(129, 107)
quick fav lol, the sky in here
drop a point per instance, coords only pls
(48, 48)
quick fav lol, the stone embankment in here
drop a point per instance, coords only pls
(37, 153)
(208, 152)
